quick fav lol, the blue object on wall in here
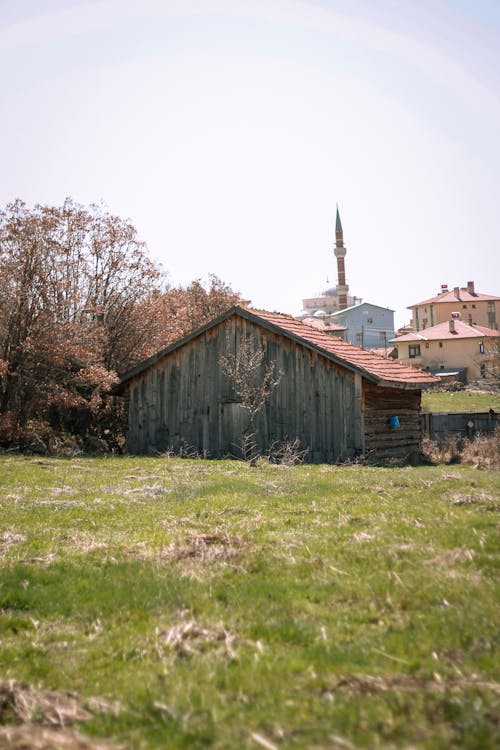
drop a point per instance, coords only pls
(393, 422)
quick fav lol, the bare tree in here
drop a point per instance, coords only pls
(253, 383)
(70, 280)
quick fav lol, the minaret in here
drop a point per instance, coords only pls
(340, 251)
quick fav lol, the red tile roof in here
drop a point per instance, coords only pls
(442, 331)
(322, 325)
(463, 296)
(384, 371)
(383, 351)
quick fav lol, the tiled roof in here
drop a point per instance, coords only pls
(381, 370)
(442, 331)
(322, 325)
(463, 296)
(383, 351)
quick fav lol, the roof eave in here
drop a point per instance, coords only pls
(414, 386)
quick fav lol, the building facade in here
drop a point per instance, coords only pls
(474, 308)
(367, 325)
(470, 352)
(337, 400)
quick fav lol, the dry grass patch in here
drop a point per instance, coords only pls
(86, 543)
(20, 703)
(453, 557)
(205, 547)
(450, 561)
(371, 685)
(11, 538)
(189, 638)
(34, 719)
(363, 536)
(480, 498)
(45, 559)
(35, 737)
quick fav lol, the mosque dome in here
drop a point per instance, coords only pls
(331, 292)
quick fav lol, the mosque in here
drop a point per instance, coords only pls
(335, 298)
(337, 312)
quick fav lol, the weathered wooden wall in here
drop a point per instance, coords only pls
(379, 404)
(185, 400)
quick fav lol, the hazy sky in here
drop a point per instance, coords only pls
(227, 131)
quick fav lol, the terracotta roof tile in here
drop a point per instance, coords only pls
(322, 325)
(464, 296)
(379, 368)
(442, 331)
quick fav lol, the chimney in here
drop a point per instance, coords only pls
(470, 287)
(452, 325)
(456, 292)
(444, 288)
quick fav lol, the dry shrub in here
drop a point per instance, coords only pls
(483, 450)
(442, 452)
(288, 453)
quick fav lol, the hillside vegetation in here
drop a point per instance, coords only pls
(196, 604)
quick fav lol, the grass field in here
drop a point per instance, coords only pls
(197, 604)
(448, 401)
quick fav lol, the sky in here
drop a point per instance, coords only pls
(227, 131)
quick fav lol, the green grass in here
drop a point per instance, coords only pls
(449, 401)
(313, 607)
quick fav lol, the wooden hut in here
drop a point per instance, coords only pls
(338, 400)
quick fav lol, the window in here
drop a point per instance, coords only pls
(464, 307)
(414, 351)
(474, 307)
(370, 320)
(481, 347)
(440, 344)
(426, 344)
(482, 370)
(359, 336)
